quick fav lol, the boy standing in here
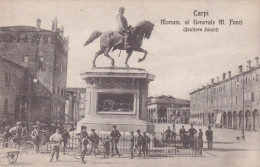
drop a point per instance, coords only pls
(107, 146)
(132, 144)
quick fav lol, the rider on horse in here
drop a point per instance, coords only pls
(123, 27)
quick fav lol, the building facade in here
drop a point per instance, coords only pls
(12, 91)
(231, 103)
(167, 109)
(44, 55)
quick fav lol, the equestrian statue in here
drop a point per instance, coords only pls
(127, 38)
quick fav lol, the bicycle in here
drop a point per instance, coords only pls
(98, 150)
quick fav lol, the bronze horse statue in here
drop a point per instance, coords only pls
(115, 40)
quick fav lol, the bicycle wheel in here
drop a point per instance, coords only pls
(99, 152)
(12, 157)
(77, 152)
(28, 147)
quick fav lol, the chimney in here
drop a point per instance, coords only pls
(38, 21)
(224, 76)
(248, 64)
(240, 69)
(256, 60)
(229, 74)
(62, 31)
(212, 81)
(217, 79)
(54, 24)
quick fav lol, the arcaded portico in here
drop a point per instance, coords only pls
(117, 96)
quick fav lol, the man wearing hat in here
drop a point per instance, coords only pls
(145, 144)
(36, 137)
(83, 142)
(123, 26)
(209, 136)
(139, 140)
(115, 135)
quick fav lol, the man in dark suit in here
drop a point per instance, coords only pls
(115, 135)
(209, 136)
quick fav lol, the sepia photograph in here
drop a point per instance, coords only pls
(129, 83)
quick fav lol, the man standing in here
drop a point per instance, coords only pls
(145, 144)
(65, 136)
(36, 137)
(139, 140)
(115, 135)
(168, 134)
(192, 131)
(182, 133)
(83, 142)
(209, 136)
(56, 138)
(123, 26)
(200, 138)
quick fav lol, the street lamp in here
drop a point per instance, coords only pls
(243, 103)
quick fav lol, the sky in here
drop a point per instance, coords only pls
(181, 61)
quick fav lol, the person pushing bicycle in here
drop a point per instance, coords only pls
(94, 138)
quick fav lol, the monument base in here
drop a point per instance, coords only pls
(116, 95)
(105, 124)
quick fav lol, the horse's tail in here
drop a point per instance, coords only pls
(92, 37)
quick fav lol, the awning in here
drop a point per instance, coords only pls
(218, 118)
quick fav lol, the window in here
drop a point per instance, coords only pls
(7, 79)
(25, 59)
(6, 106)
(252, 96)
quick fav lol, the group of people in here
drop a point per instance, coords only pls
(111, 141)
(190, 138)
(140, 142)
(193, 139)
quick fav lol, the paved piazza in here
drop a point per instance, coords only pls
(227, 151)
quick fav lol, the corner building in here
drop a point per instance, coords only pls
(44, 55)
(233, 102)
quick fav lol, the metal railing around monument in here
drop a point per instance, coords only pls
(158, 146)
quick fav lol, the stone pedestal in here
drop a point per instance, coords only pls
(116, 96)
